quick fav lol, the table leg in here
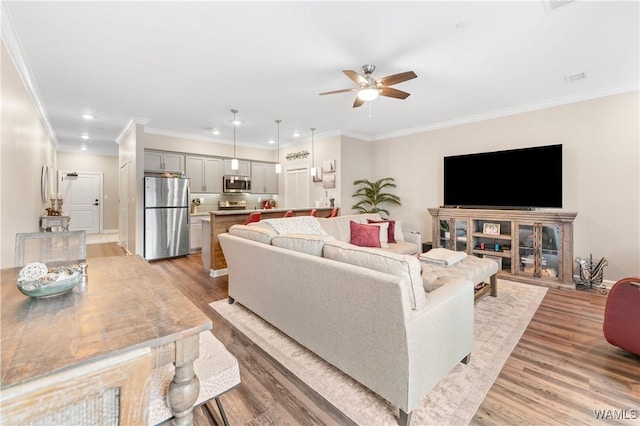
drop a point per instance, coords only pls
(493, 280)
(185, 387)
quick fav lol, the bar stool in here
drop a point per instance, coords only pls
(313, 212)
(253, 217)
(334, 212)
(288, 214)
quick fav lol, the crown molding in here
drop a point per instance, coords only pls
(14, 48)
(127, 128)
(549, 103)
(182, 135)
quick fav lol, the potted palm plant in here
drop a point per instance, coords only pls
(372, 195)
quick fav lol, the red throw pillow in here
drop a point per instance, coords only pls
(365, 235)
(391, 233)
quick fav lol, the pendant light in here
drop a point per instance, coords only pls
(234, 161)
(313, 169)
(278, 165)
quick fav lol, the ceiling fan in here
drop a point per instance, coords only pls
(368, 88)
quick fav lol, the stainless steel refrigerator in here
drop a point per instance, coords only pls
(166, 217)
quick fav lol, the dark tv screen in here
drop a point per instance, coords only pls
(517, 178)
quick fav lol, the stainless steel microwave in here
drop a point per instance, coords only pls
(236, 184)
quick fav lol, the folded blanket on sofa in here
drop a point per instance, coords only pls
(296, 225)
(442, 256)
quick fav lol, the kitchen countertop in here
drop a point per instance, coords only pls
(248, 211)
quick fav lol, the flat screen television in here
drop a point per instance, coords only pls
(518, 178)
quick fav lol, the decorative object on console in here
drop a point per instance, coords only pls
(491, 228)
(591, 274)
(372, 195)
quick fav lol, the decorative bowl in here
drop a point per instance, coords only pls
(56, 281)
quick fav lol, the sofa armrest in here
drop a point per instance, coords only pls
(414, 237)
(439, 336)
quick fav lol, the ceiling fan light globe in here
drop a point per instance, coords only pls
(368, 94)
(313, 171)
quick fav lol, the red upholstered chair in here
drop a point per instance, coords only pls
(334, 212)
(313, 212)
(288, 214)
(621, 325)
(253, 217)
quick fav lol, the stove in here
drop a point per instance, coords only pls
(232, 205)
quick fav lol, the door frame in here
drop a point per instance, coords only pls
(100, 190)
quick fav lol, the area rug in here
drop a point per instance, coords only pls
(499, 324)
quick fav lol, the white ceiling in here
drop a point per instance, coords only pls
(184, 66)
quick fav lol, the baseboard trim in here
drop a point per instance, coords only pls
(218, 272)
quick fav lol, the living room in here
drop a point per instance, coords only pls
(598, 129)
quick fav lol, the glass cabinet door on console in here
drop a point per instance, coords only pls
(452, 234)
(539, 250)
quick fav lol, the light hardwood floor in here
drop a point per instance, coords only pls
(559, 373)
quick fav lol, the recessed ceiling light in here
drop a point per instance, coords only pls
(83, 147)
(85, 137)
(215, 132)
(271, 141)
(87, 116)
(296, 134)
(236, 122)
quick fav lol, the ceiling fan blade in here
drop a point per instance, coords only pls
(358, 102)
(340, 91)
(396, 78)
(394, 93)
(356, 77)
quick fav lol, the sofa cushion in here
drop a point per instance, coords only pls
(255, 233)
(401, 248)
(392, 228)
(374, 235)
(340, 227)
(402, 266)
(304, 243)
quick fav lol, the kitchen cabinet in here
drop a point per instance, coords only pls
(534, 247)
(205, 174)
(244, 168)
(264, 179)
(160, 161)
(195, 234)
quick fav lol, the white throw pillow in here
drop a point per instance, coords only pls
(398, 233)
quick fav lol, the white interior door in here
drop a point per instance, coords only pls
(296, 188)
(81, 195)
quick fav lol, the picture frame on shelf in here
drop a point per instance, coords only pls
(491, 228)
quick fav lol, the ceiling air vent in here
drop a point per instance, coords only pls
(575, 77)
(552, 5)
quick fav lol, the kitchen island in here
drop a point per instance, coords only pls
(222, 220)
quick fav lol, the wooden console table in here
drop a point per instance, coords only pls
(534, 247)
(94, 338)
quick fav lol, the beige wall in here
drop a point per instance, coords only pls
(25, 148)
(356, 164)
(108, 166)
(601, 181)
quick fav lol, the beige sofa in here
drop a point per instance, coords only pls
(363, 310)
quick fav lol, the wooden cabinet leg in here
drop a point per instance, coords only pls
(493, 282)
(185, 387)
